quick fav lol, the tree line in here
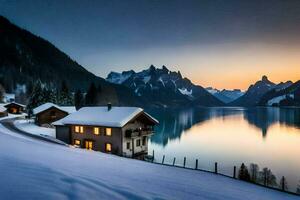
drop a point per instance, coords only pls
(39, 93)
(263, 177)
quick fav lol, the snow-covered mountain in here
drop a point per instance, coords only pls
(256, 91)
(284, 94)
(224, 95)
(164, 87)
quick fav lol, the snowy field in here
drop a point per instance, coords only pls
(39, 170)
(29, 127)
(12, 116)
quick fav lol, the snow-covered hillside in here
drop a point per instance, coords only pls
(33, 169)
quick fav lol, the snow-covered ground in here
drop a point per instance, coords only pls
(11, 116)
(32, 169)
(30, 127)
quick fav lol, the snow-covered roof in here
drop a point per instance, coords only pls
(101, 116)
(21, 105)
(45, 106)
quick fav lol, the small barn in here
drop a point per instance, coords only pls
(15, 108)
(47, 113)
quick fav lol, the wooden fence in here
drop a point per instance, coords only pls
(282, 185)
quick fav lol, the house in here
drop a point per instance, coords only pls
(119, 130)
(47, 113)
(3, 110)
(15, 108)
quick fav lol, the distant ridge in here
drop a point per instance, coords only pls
(164, 87)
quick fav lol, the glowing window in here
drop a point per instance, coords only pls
(96, 130)
(76, 129)
(108, 131)
(77, 142)
(108, 147)
(81, 129)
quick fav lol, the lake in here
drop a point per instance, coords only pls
(269, 137)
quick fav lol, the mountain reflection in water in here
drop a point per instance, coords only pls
(175, 122)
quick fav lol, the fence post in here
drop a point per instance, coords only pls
(174, 161)
(283, 184)
(163, 160)
(216, 167)
(184, 160)
(265, 179)
(234, 172)
(153, 155)
(196, 167)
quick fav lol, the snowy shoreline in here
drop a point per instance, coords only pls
(47, 171)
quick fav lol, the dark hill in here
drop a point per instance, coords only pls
(25, 57)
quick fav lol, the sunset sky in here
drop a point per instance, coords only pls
(219, 43)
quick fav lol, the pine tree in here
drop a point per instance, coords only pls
(50, 95)
(78, 99)
(91, 96)
(243, 173)
(2, 92)
(64, 97)
(36, 98)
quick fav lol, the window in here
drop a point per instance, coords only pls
(77, 142)
(89, 145)
(108, 131)
(81, 129)
(138, 142)
(108, 147)
(78, 129)
(96, 130)
(144, 140)
(128, 145)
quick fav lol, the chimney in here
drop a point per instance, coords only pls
(108, 106)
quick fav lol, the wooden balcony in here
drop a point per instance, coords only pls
(138, 132)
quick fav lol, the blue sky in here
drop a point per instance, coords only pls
(209, 41)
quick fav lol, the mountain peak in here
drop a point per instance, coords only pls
(264, 78)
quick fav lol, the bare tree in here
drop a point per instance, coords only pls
(254, 170)
(267, 177)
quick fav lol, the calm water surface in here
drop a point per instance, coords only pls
(269, 137)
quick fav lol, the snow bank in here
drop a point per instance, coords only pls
(29, 127)
(278, 99)
(40, 170)
(11, 116)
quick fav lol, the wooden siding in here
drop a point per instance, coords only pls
(100, 140)
(50, 115)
